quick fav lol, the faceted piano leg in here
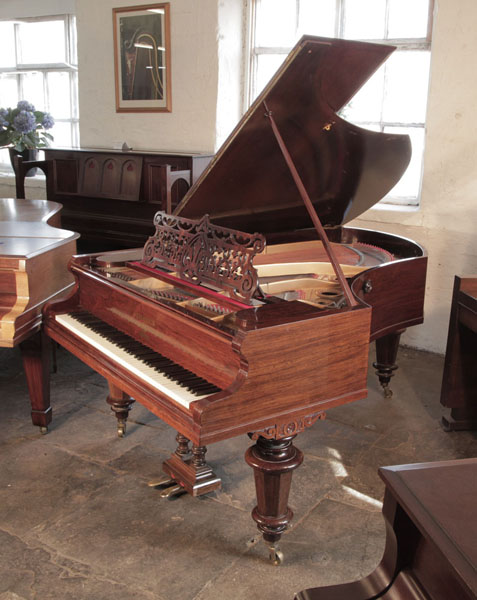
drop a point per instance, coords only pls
(192, 475)
(386, 354)
(273, 462)
(121, 405)
(36, 353)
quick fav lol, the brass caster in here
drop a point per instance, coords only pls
(275, 555)
(388, 393)
(121, 429)
(43, 430)
(175, 490)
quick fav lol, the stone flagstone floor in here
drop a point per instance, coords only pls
(78, 521)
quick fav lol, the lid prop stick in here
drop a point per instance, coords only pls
(311, 211)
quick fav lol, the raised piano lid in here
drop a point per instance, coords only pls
(345, 169)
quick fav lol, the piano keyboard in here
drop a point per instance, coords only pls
(161, 373)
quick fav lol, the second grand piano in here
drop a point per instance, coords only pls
(222, 331)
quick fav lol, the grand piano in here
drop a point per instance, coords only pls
(251, 308)
(34, 254)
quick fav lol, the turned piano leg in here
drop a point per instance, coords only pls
(121, 404)
(36, 356)
(273, 462)
(386, 354)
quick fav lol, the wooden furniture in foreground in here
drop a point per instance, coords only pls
(110, 197)
(222, 331)
(431, 532)
(459, 381)
(34, 255)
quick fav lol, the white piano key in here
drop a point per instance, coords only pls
(170, 388)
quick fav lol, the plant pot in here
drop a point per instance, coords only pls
(26, 155)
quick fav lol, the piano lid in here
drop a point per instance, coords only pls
(345, 169)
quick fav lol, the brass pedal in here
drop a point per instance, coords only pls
(174, 490)
(164, 480)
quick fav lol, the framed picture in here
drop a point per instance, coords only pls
(142, 58)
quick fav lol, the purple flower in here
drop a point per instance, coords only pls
(24, 105)
(24, 122)
(48, 121)
(3, 118)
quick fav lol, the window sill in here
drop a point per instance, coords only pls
(7, 178)
(393, 214)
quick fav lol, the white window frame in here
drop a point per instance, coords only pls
(402, 44)
(70, 66)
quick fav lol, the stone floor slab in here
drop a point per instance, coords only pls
(77, 519)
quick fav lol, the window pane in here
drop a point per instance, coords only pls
(32, 89)
(267, 65)
(407, 86)
(73, 58)
(370, 126)
(408, 18)
(364, 19)
(59, 95)
(7, 45)
(61, 133)
(408, 185)
(4, 158)
(8, 91)
(275, 23)
(42, 42)
(367, 104)
(317, 18)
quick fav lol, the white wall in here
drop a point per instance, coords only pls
(11, 9)
(446, 223)
(196, 36)
(231, 40)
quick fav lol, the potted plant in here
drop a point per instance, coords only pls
(24, 131)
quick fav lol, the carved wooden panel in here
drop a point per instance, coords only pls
(278, 431)
(65, 176)
(110, 176)
(204, 253)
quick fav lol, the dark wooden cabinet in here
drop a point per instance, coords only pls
(110, 197)
(430, 551)
(459, 381)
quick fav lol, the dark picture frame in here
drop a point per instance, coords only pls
(142, 58)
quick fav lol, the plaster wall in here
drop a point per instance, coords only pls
(231, 41)
(446, 222)
(191, 126)
(12, 9)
